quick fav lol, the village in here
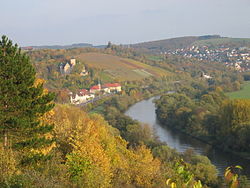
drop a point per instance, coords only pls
(85, 96)
(95, 92)
(238, 58)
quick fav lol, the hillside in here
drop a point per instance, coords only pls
(228, 42)
(184, 42)
(120, 68)
(168, 44)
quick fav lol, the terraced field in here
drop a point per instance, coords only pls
(120, 68)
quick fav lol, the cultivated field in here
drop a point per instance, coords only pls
(120, 68)
(242, 94)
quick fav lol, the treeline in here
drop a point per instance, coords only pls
(210, 116)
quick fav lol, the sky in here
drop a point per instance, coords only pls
(49, 22)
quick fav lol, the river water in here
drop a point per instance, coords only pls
(144, 112)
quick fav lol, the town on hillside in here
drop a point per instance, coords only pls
(238, 58)
(84, 95)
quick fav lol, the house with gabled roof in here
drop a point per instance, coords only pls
(95, 88)
(81, 96)
(112, 87)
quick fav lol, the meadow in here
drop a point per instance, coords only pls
(244, 93)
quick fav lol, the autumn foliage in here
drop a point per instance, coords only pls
(97, 156)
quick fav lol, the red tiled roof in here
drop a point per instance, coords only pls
(112, 85)
(96, 87)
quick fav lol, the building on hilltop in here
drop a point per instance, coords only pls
(67, 68)
(73, 62)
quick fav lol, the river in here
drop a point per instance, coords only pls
(144, 112)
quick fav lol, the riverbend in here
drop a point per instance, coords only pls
(144, 111)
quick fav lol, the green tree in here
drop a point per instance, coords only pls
(22, 104)
(234, 121)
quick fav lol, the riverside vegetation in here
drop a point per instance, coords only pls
(44, 144)
(210, 116)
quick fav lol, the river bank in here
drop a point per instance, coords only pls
(208, 141)
(182, 142)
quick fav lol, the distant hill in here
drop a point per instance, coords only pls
(183, 42)
(168, 44)
(227, 42)
(79, 45)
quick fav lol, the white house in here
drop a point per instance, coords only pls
(106, 88)
(203, 75)
(81, 97)
(207, 76)
(112, 87)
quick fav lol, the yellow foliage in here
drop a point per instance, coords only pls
(144, 168)
(7, 164)
(97, 156)
(39, 81)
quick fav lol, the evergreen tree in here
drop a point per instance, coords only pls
(22, 104)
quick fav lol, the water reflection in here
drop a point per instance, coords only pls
(144, 111)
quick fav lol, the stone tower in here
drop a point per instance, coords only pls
(73, 62)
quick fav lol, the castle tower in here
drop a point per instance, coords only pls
(99, 85)
(73, 62)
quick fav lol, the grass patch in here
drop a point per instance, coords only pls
(97, 110)
(104, 76)
(155, 58)
(142, 72)
(244, 93)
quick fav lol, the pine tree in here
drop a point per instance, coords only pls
(22, 104)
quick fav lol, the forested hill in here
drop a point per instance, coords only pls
(184, 42)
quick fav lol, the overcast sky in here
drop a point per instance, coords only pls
(40, 22)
